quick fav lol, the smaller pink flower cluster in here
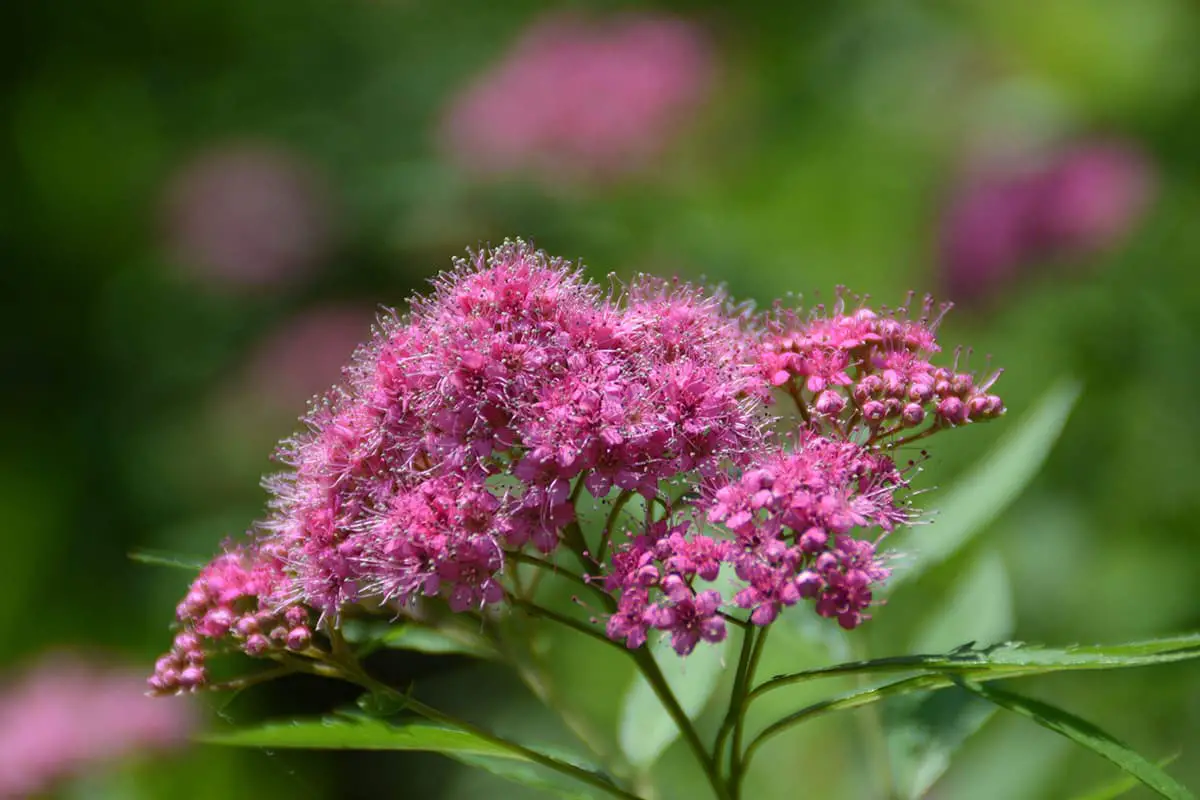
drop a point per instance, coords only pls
(65, 715)
(582, 98)
(241, 595)
(791, 515)
(1085, 199)
(894, 385)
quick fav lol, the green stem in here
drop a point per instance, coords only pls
(609, 522)
(562, 619)
(645, 662)
(854, 700)
(737, 763)
(736, 696)
(351, 670)
(801, 406)
(574, 577)
(573, 538)
(523, 654)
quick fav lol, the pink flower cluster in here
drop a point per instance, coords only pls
(582, 98)
(1085, 199)
(242, 596)
(468, 430)
(894, 385)
(64, 715)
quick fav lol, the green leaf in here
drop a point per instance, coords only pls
(526, 774)
(979, 608)
(354, 732)
(1011, 660)
(980, 496)
(924, 730)
(162, 558)
(1120, 786)
(646, 730)
(1086, 734)
(450, 638)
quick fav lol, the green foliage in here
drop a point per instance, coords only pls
(450, 637)
(356, 732)
(645, 728)
(978, 497)
(1086, 734)
(924, 730)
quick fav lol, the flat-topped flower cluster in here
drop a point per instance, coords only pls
(466, 432)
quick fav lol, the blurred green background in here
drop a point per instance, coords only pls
(145, 391)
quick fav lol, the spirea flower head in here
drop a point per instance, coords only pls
(66, 714)
(582, 98)
(466, 431)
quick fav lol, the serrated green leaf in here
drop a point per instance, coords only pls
(348, 731)
(923, 731)
(980, 496)
(1086, 734)
(646, 730)
(353, 732)
(162, 558)
(1012, 660)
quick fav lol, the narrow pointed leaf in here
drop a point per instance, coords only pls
(924, 730)
(1086, 734)
(163, 558)
(984, 492)
(1013, 659)
(352, 732)
(526, 774)
(358, 732)
(1120, 786)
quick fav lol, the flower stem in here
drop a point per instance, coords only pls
(351, 670)
(609, 522)
(737, 763)
(645, 662)
(737, 695)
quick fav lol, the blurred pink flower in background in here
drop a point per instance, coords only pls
(581, 98)
(1080, 200)
(65, 714)
(304, 355)
(247, 215)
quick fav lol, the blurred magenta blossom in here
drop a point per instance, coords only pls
(304, 355)
(247, 215)
(65, 714)
(577, 98)
(1081, 200)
